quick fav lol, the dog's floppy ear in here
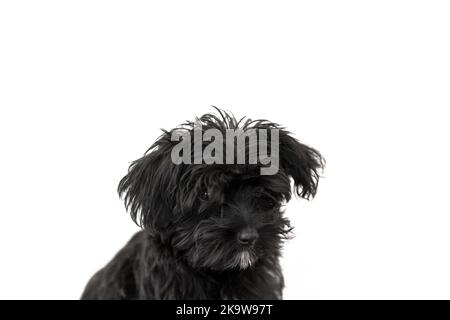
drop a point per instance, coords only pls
(300, 162)
(149, 187)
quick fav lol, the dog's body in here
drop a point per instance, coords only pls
(210, 231)
(145, 269)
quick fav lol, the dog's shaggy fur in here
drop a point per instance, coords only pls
(210, 231)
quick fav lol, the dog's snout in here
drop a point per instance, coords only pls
(247, 236)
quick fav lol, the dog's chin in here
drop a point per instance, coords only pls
(242, 260)
(246, 259)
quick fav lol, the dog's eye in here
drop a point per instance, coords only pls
(268, 203)
(204, 196)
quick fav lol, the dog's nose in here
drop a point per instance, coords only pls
(247, 236)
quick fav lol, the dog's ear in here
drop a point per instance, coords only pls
(149, 187)
(300, 162)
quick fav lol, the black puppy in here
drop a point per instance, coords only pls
(210, 231)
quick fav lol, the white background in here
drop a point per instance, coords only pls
(86, 85)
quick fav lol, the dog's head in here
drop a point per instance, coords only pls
(219, 216)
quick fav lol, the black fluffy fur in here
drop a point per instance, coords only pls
(192, 214)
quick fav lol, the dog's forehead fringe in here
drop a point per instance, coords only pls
(220, 178)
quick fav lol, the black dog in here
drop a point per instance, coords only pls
(210, 231)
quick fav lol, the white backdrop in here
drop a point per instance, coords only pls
(86, 85)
